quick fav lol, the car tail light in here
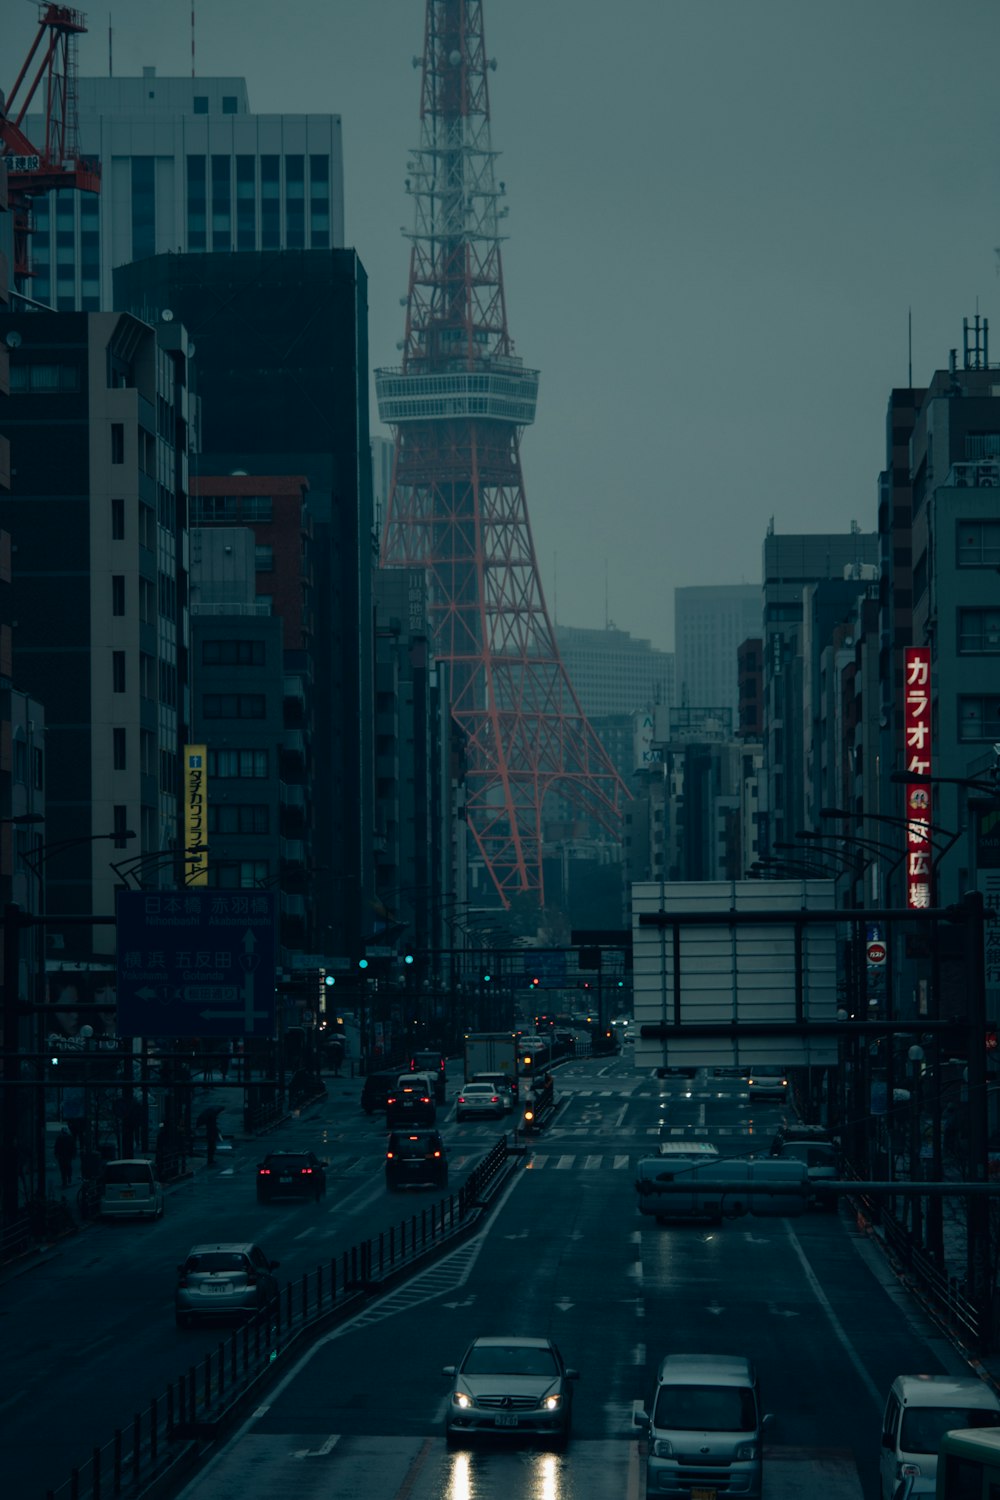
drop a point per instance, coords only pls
(391, 1099)
(389, 1155)
(425, 1098)
(306, 1171)
(437, 1153)
(263, 1171)
(460, 1100)
(495, 1099)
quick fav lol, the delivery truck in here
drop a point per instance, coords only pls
(490, 1052)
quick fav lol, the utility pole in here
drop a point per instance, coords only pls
(977, 1211)
(9, 1145)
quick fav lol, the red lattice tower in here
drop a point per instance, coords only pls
(457, 507)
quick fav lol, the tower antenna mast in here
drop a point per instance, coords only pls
(458, 406)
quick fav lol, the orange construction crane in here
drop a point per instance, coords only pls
(33, 170)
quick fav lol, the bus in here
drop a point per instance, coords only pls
(969, 1464)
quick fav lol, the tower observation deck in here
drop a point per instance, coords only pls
(458, 405)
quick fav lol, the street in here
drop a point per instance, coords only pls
(90, 1334)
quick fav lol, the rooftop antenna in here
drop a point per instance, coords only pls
(909, 348)
(192, 38)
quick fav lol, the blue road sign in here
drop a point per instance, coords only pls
(196, 963)
(547, 965)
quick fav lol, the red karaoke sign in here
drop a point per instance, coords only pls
(917, 748)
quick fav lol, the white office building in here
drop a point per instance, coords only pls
(185, 166)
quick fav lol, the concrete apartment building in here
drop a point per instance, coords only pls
(97, 517)
(185, 167)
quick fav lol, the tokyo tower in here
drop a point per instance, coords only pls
(457, 507)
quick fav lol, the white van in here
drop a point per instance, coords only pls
(919, 1411)
(705, 1427)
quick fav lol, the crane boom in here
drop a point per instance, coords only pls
(34, 170)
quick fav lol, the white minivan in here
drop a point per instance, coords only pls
(128, 1189)
(705, 1428)
(919, 1411)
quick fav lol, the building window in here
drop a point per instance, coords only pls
(270, 202)
(244, 875)
(248, 817)
(118, 749)
(264, 559)
(978, 544)
(978, 631)
(120, 826)
(244, 765)
(117, 593)
(232, 653)
(37, 768)
(147, 751)
(147, 602)
(222, 221)
(234, 706)
(143, 207)
(118, 520)
(118, 671)
(196, 202)
(229, 104)
(44, 380)
(295, 203)
(201, 104)
(147, 675)
(246, 203)
(979, 719)
(319, 202)
(118, 442)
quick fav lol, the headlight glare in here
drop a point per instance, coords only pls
(552, 1403)
(461, 1399)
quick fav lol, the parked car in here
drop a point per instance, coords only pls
(224, 1281)
(479, 1099)
(291, 1174)
(128, 1189)
(376, 1090)
(411, 1101)
(415, 1156)
(502, 1084)
(510, 1387)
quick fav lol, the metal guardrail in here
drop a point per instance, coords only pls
(194, 1407)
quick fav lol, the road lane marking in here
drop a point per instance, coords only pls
(834, 1321)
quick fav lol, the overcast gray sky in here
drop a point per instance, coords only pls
(720, 214)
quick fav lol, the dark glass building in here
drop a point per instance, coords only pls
(282, 358)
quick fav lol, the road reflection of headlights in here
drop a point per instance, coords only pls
(461, 1478)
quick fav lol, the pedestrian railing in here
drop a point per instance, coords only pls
(195, 1405)
(945, 1292)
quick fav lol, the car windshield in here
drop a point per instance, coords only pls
(478, 1088)
(925, 1426)
(217, 1260)
(705, 1408)
(127, 1171)
(514, 1359)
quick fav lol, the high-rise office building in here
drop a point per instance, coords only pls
(613, 672)
(185, 166)
(711, 622)
(282, 360)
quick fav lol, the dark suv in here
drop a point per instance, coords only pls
(411, 1101)
(291, 1174)
(376, 1090)
(415, 1156)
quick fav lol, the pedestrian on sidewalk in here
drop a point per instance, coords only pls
(65, 1149)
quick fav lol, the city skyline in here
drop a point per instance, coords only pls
(657, 242)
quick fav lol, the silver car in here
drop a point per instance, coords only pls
(479, 1099)
(224, 1281)
(510, 1387)
(128, 1189)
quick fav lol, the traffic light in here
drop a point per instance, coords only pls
(362, 963)
(407, 958)
(329, 980)
(535, 983)
(487, 978)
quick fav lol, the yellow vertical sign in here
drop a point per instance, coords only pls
(195, 815)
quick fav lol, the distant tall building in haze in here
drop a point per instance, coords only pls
(184, 166)
(614, 672)
(711, 622)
